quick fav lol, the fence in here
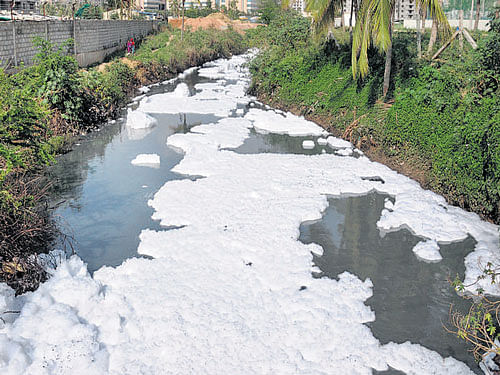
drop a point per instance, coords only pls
(93, 39)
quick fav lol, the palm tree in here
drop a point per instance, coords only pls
(182, 26)
(374, 21)
(439, 21)
(478, 10)
(322, 11)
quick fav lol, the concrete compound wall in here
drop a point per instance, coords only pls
(94, 39)
(483, 24)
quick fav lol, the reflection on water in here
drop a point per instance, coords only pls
(411, 298)
(102, 199)
(281, 144)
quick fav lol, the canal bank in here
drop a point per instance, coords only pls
(223, 280)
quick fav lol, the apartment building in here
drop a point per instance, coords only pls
(20, 6)
(151, 5)
(404, 10)
(299, 6)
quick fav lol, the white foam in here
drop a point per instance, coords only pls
(139, 120)
(147, 160)
(322, 141)
(335, 142)
(428, 251)
(344, 152)
(188, 72)
(209, 101)
(224, 293)
(308, 145)
(138, 98)
(272, 122)
(144, 89)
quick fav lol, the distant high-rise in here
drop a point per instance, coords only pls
(404, 10)
(299, 6)
(151, 5)
(245, 6)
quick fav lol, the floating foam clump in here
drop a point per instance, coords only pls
(428, 251)
(344, 152)
(335, 142)
(147, 160)
(139, 120)
(322, 141)
(308, 145)
(272, 122)
(209, 101)
(144, 89)
(188, 72)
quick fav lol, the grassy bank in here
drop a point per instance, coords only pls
(41, 107)
(440, 125)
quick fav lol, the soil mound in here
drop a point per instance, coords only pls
(217, 21)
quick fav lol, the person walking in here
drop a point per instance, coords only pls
(132, 45)
(129, 46)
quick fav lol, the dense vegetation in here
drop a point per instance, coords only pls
(43, 105)
(441, 120)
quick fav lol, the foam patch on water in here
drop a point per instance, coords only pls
(219, 102)
(147, 160)
(344, 152)
(428, 251)
(139, 120)
(322, 141)
(272, 122)
(308, 145)
(335, 142)
(187, 72)
(230, 290)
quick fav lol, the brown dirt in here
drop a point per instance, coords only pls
(217, 21)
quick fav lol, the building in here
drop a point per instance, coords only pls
(299, 6)
(20, 6)
(404, 10)
(151, 5)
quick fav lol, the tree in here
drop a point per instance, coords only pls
(323, 13)
(182, 27)
(439, 20)
(373, 22)
(268, 10)
(478, 10)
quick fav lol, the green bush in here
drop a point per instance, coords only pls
(446, 116)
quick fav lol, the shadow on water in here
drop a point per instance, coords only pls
(101, 198)
(411, 298)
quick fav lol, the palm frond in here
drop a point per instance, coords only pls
(362, 34)
(436, 13)
(382, 11)
(323, 13)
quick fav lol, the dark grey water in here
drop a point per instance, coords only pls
(102, 201)
(411, 298)
(102, 198)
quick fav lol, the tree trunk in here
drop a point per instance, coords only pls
(432, 40)
(478, 11)
(388, 60)
(350, 16)
(342, 23)
(350, 22)
(182, 26)
(419, 32)
(424, 17)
